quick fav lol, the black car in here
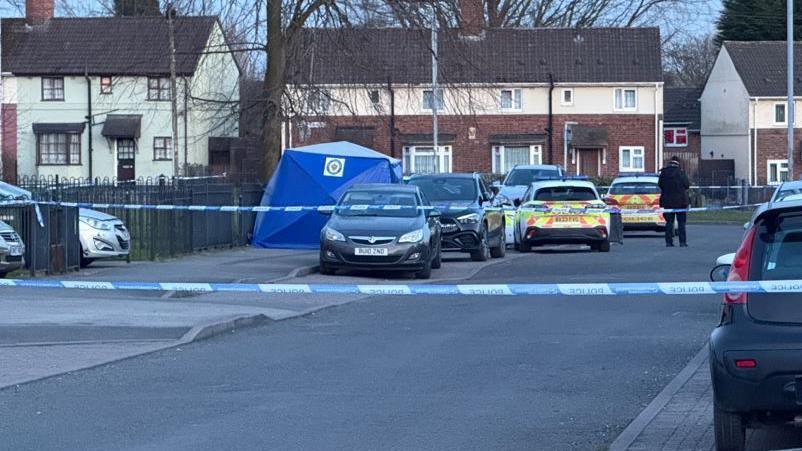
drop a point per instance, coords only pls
(471, 220)
(381, 227)
(756, 351)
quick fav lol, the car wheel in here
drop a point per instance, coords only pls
(86, 261)
(501, 250)
(437, 262)
(3, 275)
(730, 430)
(326, 270)
(426, 272)
(604, 246)
(483, 253)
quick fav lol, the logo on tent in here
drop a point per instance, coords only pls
(334, 167)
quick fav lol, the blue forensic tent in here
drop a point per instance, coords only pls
(315, 175)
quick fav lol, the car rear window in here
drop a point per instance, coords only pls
(777, 255)
(635, 188)
(357, 201)
(565, 193)
(519, 177)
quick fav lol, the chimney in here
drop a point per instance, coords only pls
(471, 17)
(38, 12)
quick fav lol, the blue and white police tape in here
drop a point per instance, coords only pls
(329, 208)
(558, 289)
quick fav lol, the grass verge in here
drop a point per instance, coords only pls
(738, 216)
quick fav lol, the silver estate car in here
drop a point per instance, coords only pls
(12, 250)
(102, 235)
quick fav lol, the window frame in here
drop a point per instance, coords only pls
(441, 101)
(674, 143)
(633, 150)
(106, 89)
(69, 142)
(318, 101)
(535, 156)
(562, 97)
(516, 105)
(43, 89)
(780, 170)
(444, 155)
(622, 92)
(159, 89)
(784, 106)
(168, 147)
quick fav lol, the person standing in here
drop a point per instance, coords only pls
(674, 187)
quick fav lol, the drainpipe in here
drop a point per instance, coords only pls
(186, 114)
(89, 119)
(550, 128)
(753, 153)
(658, 148)
(392, 117)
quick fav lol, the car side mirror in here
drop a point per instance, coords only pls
(517, 203)
(720, 273)
(326, 210)
(746, 226)
(433, 213)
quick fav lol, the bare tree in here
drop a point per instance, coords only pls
(687, 62)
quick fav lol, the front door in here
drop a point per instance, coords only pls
(588, 162)
(126, 158)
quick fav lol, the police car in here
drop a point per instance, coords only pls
(562, 212)
(638, 197)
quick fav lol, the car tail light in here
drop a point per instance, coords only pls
(656, 202)
(739, 272)
(610, 201)
(602, 231)
(746, 363)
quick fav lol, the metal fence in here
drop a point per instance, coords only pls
(164, 233)
(50, 236)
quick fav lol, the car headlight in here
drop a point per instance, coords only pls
(471, 218)
(333, 235)
(96, 224)
(412, 237)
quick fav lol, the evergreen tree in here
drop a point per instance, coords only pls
(136, 8)
(756, 20)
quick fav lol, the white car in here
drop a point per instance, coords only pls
(515, 184)
(102, 235)
(788, 191)
(12, 250)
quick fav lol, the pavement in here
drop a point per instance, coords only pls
(384, 372)
(45, 332)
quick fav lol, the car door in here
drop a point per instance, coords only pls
(493, 214)
(433, 223)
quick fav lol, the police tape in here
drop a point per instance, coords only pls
(559, 289)
(330, 208)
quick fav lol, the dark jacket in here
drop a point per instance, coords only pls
(674, 186)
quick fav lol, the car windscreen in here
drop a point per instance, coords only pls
(565, 194)
(527, 176)
(783, 194)
(378, 203)
(777, 255)
(634, 188)
(446, 189)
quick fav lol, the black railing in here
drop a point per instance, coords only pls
(50, 235)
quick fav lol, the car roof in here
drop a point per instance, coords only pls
(631, 179)
(448, 175)
(771, 207)
(536, 166)
(794, 184)
(391, 187)
(568, 182)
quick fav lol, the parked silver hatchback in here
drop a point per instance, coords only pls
(12, 250)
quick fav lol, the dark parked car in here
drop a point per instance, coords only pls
(471, 220)
(382, 227)
(756, 351)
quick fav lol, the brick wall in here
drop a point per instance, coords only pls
(475, 154)
(771, 145)
(8, 152)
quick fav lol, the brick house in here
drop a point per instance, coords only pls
(588, 99)
(744, 111)
(90, 97)
(681, 127)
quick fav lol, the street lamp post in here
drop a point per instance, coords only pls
(790, 80)
(435, 97)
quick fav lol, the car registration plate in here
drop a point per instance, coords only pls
(566, 219)
(15, 250)
(371, 251)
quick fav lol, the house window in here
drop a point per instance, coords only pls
(777, 171)
(626, 99)
(158, 88)
(318, 101)
(506, 157)
(126, 149)
(676, 136)
(105, 85)
(428, 100)
(162, 148)
(375, 99)
(567, 97)
(58, 148)
(631, 159)
(510, 100)
(424, 160)
(779, 113)
(52, 88)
